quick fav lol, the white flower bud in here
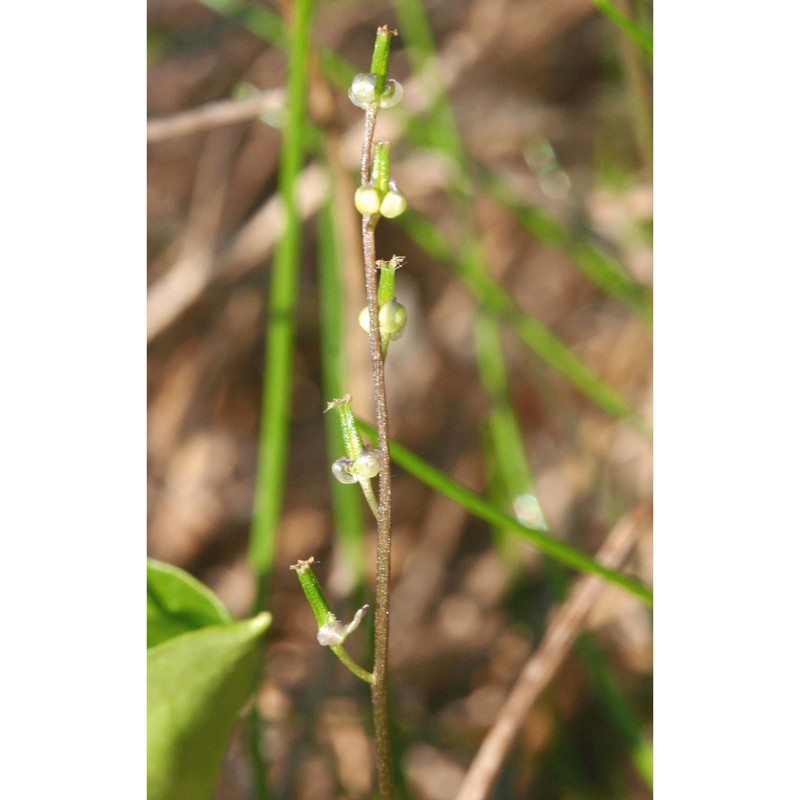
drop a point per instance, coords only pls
(342, 470)
(392, 94)
(367, 199)
(392, 317)
(362, 90)
(393, 204)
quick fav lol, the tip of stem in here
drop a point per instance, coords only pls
(338, 402)
(302, 565)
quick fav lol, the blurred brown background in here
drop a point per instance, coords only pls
(547, 97)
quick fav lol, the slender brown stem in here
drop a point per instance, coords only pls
(380, 692)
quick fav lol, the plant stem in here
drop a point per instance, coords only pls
(380, 694)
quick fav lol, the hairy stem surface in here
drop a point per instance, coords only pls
(380, 694)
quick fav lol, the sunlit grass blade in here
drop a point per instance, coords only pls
(279, 357)
(346, 502)
(601, 268)
(276, 399)
(530, 330)
(560, 551)
(632, 29)
(513, 482)
(258, 19)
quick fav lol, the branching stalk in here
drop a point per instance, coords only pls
(380, 694)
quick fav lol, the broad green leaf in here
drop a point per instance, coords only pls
(178, 603)
(196, 684)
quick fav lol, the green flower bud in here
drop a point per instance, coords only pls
(362, 90)
(367, 200)
(393, 204)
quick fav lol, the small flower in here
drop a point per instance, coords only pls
(392, 94)
(342, 470)
(362, 90)
(334, 631)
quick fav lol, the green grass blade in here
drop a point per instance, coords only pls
(564, 553)
(507, 462)
(613, 697)
(346, 503)
(503, 426)
(259, 20)
(279, 357)
(276, 401)
(530, 330)
(601, 268)
(632, 29)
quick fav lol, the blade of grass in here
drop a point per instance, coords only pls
(560, 551)
(276, 400)
(505, 450)
(346, 504)
(259, 20)
(632, 29)
(529, 329)
(279, 357)
(605, 271)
